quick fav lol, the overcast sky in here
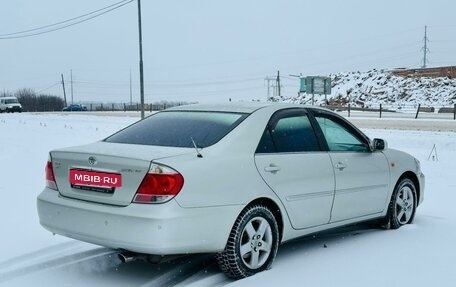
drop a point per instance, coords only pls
(213, 50)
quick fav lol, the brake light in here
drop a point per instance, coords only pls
(50, 178)
(160, 185)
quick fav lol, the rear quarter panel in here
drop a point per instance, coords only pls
(226, 174)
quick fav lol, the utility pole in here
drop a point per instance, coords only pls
(425, 49)
(64, 93)
(131, 94)
(71, 81)
(278, 83)
(141, 68)
(268, 80)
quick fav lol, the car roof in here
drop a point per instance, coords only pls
(238, 107)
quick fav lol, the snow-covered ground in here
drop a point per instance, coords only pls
(421, 254)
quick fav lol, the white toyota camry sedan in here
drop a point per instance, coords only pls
(235, 180)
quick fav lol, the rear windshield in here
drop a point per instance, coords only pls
(178, 128)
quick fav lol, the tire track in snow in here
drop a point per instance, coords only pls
(39, 254)
(184, 269)
(197, 270)
(57, 262)
(210, 276)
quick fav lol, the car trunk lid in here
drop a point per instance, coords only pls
(108, 173)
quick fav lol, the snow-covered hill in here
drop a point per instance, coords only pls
(371, 88)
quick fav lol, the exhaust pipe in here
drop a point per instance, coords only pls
(126, 257)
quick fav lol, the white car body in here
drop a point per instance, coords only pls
(10, 104)
(307, 191)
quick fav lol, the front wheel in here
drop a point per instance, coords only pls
(252, 244)
(402, 207)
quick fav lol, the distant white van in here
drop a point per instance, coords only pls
(10, 105)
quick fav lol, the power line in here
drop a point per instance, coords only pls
(62, 22)
(94, 14)
(53, 85)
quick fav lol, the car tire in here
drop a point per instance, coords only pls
(252, 244)
(402, 206)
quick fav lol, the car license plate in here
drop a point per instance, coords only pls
(95, 178)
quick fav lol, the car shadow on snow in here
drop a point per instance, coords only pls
(326, 238)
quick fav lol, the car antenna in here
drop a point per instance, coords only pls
(198, 154)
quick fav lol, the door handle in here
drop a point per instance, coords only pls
(340, 166)
(272, 168)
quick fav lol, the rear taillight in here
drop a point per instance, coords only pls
(160, 185)
(50, 178)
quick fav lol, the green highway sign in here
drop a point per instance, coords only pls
(316, 85)
(302, 86)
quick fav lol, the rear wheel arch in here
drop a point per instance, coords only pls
(274, 208)
(253, 241)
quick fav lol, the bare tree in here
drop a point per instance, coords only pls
(31, 102)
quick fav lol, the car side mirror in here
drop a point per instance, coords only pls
(379, 144)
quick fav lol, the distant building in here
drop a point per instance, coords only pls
(449, 72)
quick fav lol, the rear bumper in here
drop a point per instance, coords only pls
(161, 229)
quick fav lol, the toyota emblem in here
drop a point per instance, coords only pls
(92, 160)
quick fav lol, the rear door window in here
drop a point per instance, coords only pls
(179, 128)
(290, 132)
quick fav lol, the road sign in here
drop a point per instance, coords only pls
(302, 86)
(318, 85)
